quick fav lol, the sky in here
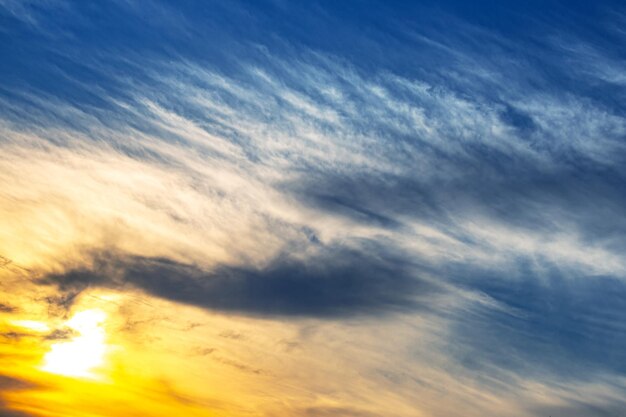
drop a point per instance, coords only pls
(310, 209)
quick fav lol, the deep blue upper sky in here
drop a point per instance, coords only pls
(369, 34)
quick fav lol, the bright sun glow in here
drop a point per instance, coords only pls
(36, 326)
(80, 356)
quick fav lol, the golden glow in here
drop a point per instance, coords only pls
(82, 355)
(36, 326)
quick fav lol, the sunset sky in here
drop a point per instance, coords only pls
(315, 208)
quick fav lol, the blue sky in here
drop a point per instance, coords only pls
(451, 171)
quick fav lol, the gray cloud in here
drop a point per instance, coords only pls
(336, 282)
(9, 383)
(614, 409)
(336, 411)
(5, 308)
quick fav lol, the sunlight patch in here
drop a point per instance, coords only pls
(80, 356)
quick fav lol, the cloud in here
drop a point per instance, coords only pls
(5, 412)
(334, 282)
(336, 411)
(11, 384)
(5, 308)
(540, 323)
(582, 410)
(8, 383)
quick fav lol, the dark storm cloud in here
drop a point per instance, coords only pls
(338, 282)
